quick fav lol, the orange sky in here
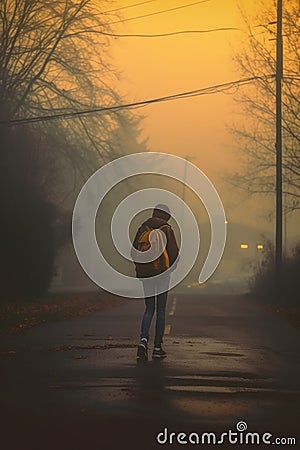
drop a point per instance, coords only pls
(161, 66)
(153, 67)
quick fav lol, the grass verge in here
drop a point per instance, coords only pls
(18, 316)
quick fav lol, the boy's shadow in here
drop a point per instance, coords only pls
(151, 382)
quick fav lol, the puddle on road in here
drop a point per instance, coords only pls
(65, 348)
(219, 389)
(211, 408)
(222, 354)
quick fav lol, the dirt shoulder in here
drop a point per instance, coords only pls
(18, 316)
(290, 314)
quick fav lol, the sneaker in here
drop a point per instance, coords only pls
(159, 353)
(142, 350)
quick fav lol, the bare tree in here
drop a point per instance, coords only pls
(256, 138)
(53, 61)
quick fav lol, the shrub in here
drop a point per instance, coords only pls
(263, 283)
(27, 237)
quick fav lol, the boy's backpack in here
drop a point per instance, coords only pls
(158, 265)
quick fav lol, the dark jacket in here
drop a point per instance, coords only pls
(171, 247)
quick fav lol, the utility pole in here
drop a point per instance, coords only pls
(187, 159)
(279, 71)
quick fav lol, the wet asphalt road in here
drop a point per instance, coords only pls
(76, 384)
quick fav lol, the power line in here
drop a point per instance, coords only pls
(129, 6)
(157, 35)
(160, 12)
(106, 109)
(171, 33)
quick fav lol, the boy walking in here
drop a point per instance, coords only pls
(156, 293)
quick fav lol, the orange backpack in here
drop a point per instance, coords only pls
(160, 264)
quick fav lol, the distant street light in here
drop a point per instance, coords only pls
(244, 246)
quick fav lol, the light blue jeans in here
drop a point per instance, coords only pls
(154, 302)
